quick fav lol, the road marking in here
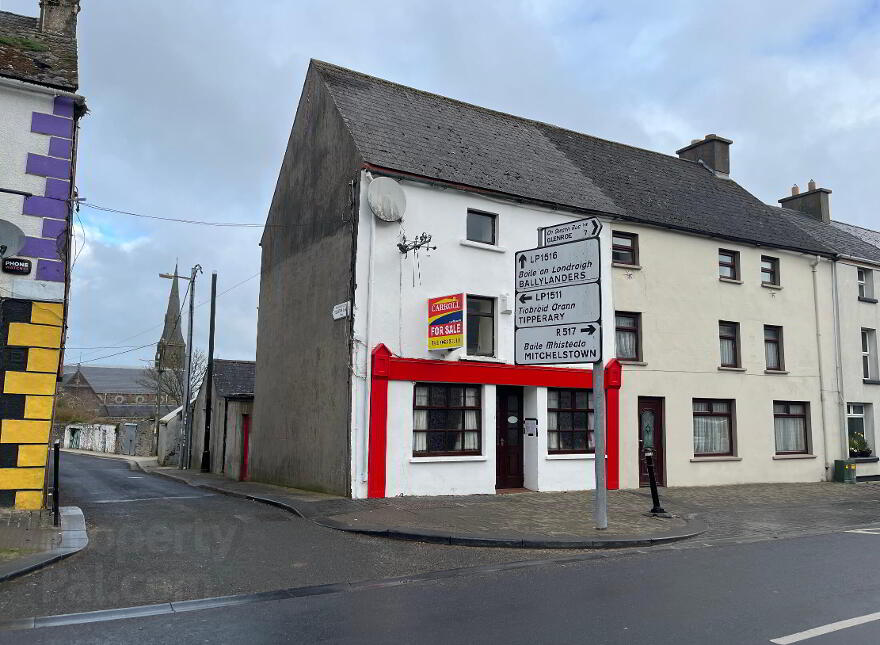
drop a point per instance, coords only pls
(871, 531)
(826, 629)
(135, 477)
(146, 499)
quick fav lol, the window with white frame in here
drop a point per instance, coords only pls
(869, 354)
(860, 436)
(865, 279)
(791, 423)
(446, 419)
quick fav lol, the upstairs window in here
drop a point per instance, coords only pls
(728, 264)
(624, 248)
(773, 348)
(446, 419)
(865, 279)
(869, 354)
(627, 336)
(481, 227)
(769, 270)
(728, 335)
(480, 326)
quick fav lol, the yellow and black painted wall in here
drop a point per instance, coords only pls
(30, 347)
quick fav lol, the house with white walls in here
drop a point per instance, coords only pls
(385, 361)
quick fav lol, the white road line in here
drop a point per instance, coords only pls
(826, 629)
(871, 531)
(144, 499)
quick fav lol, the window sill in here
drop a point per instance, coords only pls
(483, 245)
(575, 455)
(626, 361)
(431, 460)
(623, 265)
(481, 359)
(865, 460)
(782, 372)
(720, 458)
(796, 456)
(873, 301)
(722, 368)
(870, 381)
(730, 280)
(768, 285)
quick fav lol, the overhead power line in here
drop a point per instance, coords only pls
(176, 219)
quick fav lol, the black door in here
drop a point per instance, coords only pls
(651, 438)
(509, 438)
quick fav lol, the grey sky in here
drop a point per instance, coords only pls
(191, 103)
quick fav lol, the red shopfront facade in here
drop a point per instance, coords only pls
(387, 368)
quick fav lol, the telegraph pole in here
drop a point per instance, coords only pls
(209, 375)
(187, 385)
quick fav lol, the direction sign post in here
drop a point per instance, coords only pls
(559, 317)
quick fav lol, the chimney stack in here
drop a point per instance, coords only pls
(714, 151)
(814, 202)
(59, 17)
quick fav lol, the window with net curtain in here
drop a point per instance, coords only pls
(728, 334)
(790, 424)
(446, 419)
(713, 427)
(627, 335)
(569, 421)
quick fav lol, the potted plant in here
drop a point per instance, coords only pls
(858, 447)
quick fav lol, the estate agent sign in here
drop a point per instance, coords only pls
(446, 322)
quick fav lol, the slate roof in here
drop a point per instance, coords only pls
(136, 411)
(234, 378)
(864, 234)
(111, 380)
(28, 54)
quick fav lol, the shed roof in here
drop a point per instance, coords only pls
(234, 378)
(28, 54)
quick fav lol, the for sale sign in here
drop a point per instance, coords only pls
(446, 322)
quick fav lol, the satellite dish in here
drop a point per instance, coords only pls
(386, 199)
(11, 239)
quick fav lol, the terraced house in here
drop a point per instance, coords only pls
(38, 142)
(731, 336)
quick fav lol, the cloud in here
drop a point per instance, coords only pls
(192, 103)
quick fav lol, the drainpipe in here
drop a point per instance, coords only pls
(826, 436)
(838, 358)
(365, 421)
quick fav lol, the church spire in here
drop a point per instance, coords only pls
(171, 348)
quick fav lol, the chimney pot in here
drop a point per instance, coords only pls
(811, 185)
(795, 190)
(815, 202)
(714, 151)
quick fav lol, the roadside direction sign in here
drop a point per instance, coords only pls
(580, 343)
(581, 229)
(558, 265)
(574, 304)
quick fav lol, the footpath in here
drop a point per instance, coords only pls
(716, 514)
(29, 540)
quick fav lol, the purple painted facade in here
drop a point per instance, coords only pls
(47, 166)
(54, 228)
(45, 207)
(50, 270)
(63, 106)
(38, 247)
(57, 189)
(59, 147)
(51, 124)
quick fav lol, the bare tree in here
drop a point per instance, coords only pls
(171, 383)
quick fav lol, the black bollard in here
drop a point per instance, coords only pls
(655, 497)
(55, 453)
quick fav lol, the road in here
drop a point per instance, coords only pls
(718, 595)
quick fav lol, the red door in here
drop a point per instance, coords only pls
(245, 444)
(509, 437)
